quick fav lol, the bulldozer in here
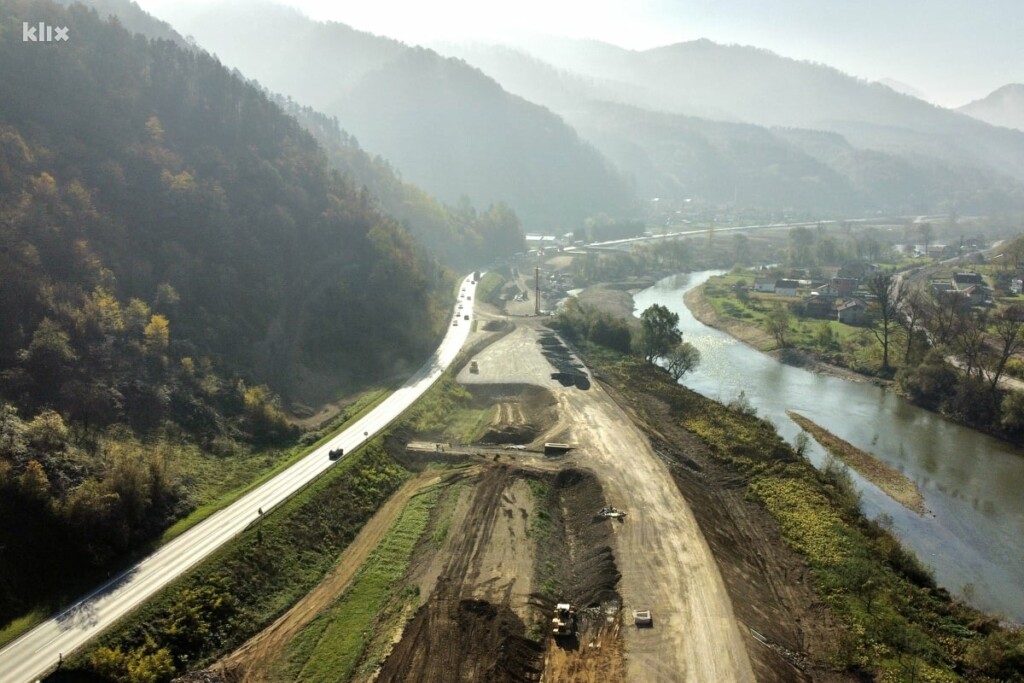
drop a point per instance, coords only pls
(564, 620)
(611, 513)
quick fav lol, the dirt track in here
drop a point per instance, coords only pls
(252, 662)
(665, 562)
(481, 617)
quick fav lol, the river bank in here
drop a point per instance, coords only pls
(757, 338)
(876, 589)
(971, 482)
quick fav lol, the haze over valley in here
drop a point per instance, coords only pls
(551, 341)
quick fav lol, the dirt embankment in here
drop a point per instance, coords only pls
(455, 636)
(477, 624)
(790, 632)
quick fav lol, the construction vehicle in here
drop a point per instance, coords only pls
(611, 513)
(473, 367)
(564, 620)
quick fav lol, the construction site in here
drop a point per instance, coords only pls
(571, 541)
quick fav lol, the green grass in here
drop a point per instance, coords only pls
(330, 647)
(467, 425)
(254, 578)
(22, 625)
(851, 346)
(488, 286)
(236, 475)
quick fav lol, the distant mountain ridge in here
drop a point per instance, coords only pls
(449, 128)
(1003, 107)
(757, 86)
(718, 159)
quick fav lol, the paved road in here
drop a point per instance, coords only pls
(37, 652)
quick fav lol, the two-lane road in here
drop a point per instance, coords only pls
(38, 651)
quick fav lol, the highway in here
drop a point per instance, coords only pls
(37, 653)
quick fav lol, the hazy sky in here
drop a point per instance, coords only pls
(953, 51)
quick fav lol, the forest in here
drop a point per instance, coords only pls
(179, 264)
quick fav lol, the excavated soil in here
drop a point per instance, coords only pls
(458, 636)
(522, 412)
(768, 583)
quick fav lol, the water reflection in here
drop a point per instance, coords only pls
(972, 484)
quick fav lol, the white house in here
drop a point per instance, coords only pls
(786, 287)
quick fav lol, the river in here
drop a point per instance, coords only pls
(973, 484)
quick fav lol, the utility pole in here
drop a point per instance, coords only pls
(536, 295)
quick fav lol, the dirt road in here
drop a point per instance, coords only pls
(252, 662)
(665, 561)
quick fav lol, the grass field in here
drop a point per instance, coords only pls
(331, 646)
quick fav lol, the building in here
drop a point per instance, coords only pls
(763, 285)
(786, 287)
(976, 295)
(844, 286)
(851, 311)
(819, 307)
(962, 280)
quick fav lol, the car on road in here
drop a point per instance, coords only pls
(336, 453)
(465, 317)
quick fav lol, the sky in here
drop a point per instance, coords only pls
(952, 51)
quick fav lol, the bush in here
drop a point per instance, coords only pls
(930, 383)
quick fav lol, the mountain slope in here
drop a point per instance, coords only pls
(676, 156)
(183, 174)
(450, 129)
(1003, 107)
(757, 86)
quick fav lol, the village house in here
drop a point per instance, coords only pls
(819, 307)
(851, 311)
(844, 286)
(971, 286)
(764, 285)
(786, 287)
(825, 290)
(976, 295)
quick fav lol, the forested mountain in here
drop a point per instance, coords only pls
(658, 128)
(757, 86)
(133, 18)
(447, 127)
(675, 155)
(170, 240)
(186, 175)
(1003, 107)
(460, 235)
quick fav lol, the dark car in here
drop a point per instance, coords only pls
(336, 453)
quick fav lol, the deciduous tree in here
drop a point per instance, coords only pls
(658, 332)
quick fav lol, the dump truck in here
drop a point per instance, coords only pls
(563, 622)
